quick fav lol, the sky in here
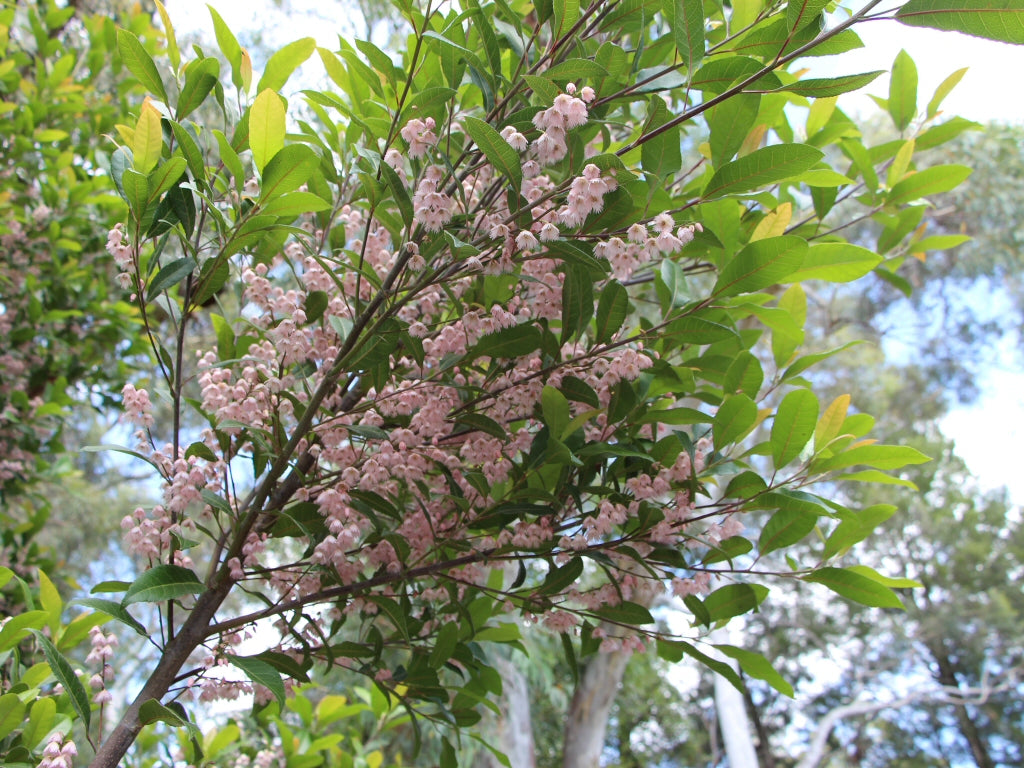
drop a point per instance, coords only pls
(987, 432)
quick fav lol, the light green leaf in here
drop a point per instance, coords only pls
(163, 582)
(284, 62)
(930, 181)
(757, 666)
(829, 86)
(734, 599)
(148, 139)
(19, 625)
(992, 19)
(902, 101)
(65, 676)
(736, 415)
(800, 13)
(140, 63)
(266, 127)
(886, 457)
(555, 409)
(497, 151)
(837, 263)
(793, 425)
(761, 264)
(787, 526)
(575, 69)
(944, 89)
(12, 713)
(228, 46)
(886, 581)
(856, 587)
(686, 20)
(295, 204)
(762, 167)
(172, 43)
(288, 170)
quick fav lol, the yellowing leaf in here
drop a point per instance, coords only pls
(245, 70)
(753, 140)
(266, 127)
(774, 224)
(831, 422)
(148, 139)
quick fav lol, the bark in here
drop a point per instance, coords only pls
(732, 719)
(948, 679)
(590, 709)
(514, 729)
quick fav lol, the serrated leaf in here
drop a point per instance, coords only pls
(686, 20)
(760, 168)
(761, 264)
(497, 151)
(800, 13)
(823, 87)
(163, 582)
(66, 676)
(1001, 20)
(576, 69)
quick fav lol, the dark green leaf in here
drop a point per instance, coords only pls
(153, 711)
(261, 673)
(734, 599)
(992, 19)
(287, 171)
(169, 276)
(787, 526)
(762, 167)
(829, 86)
(163, 582)
(66, 676)
(497, 151)
(114, 611)
(856, 587)
(756, 665)
(140, 63)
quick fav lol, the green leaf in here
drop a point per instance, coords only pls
(559, 578)
(12, 713)
(577, 302)
(66, 676)
(877, 456)
(163, 582)
(757, 666)
(885, 581)
(829, 86)
(944, 89)
(511, 342)
(632, 614)
(140, 63)
(575, 69)
(169, 276)
(148, 140)
(555, 409)
(930, 181)
(399, 192)
(837, 263)
(800, 13)
(673, 650)
(856, 587)
(228, 46)
(686, 20)
(284, 62)
(761, 264)
(172, 43)
(612, 310)
(201, 76)
(729, 123)
(902, 103)
(113, 610)
(497, 151)
(762, 167)
(1001, 20)
(734, 599)
(153, 711)
(787, 526)
(261, 673)
(288, 170)
(734, 418)
(660, 155)
(295, 204)
(793, 426)
(266, 127)
(15, 629)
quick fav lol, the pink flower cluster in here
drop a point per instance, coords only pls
(420, 136)
(556, 121)
(58, 753)
(432, 208)
(123, 257)
(586, 196)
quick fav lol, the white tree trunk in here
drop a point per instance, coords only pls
(590, 709)
(513, 728)
(732, 715)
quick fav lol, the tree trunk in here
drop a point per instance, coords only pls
(513, 727)
(732, 719)
(764, 749)
(947, 677)
(590, 709)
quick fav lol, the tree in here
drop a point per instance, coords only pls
(486, 320)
